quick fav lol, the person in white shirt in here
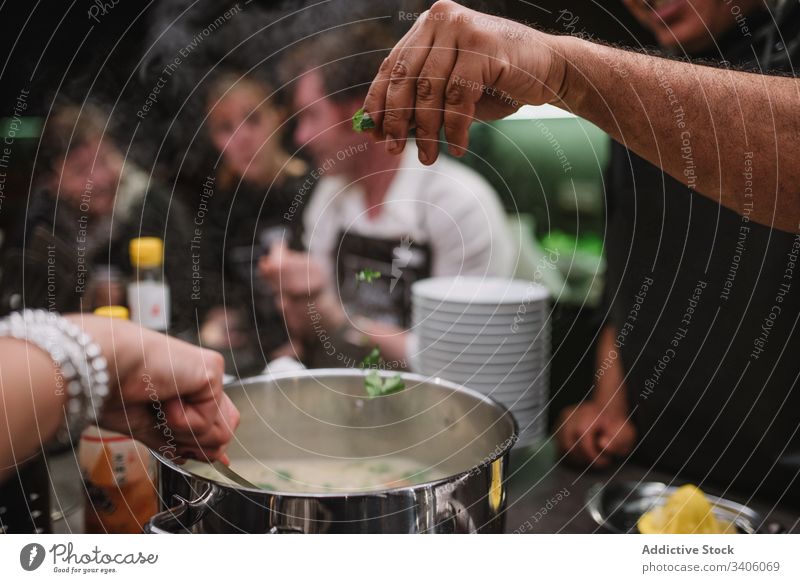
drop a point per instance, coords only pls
(373, 213)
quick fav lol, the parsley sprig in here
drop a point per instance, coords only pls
(374, 384)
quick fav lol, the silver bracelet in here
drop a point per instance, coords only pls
(83, 370)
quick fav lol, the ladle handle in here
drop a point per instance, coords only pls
(185, 514)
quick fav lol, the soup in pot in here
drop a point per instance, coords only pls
(328, 475)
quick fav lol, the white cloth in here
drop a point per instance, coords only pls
(447, 205)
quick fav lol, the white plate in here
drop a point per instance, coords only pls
(479, 290)
(500, 361)
(499, 357)
(426, 337)
(422, 316)
(523, 329)
(450, 344)
(504, 311)
(529, 359)
(504, 352)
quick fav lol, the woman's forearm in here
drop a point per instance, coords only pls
(733, 137)
(31, 401)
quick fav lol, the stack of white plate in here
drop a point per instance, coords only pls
(489, 334)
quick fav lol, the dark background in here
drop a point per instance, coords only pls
(53, 49)
(41, 41)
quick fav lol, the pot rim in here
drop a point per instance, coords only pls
(507, 444)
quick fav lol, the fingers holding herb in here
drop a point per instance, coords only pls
(362, 121)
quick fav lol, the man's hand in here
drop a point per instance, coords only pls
(456, 65)
(292, 273)
(302, 293)
(589, 434)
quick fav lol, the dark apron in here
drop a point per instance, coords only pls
(400, 262)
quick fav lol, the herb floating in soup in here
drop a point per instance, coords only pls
(362, 121)
(367, 276)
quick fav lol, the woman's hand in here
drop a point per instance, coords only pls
(456, 65)
(591, 434)
(169, 393)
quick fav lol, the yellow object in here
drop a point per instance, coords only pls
(147, 252)
(496, 487)
(120, 312)
(687, 511)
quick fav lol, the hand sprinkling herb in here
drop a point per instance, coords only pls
(362, 121)
(367, 276)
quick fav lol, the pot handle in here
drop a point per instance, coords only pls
(185, 514)
(277, 529)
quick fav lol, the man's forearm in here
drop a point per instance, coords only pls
(733, 137)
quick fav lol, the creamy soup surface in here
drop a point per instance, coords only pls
(328, 476)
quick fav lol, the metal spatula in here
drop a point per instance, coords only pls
(233, 476)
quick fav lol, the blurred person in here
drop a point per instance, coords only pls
(372, 211)
(706, 399)
(88, 202)
(256, 185)
(699, 414)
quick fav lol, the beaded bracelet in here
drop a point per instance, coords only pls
(83, 369)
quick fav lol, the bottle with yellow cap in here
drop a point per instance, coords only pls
(118, 474)
(148, 293)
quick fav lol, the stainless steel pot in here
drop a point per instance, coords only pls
(319, 414)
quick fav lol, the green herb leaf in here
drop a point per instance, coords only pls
(373, 359)
(367, 276)
(393, 384)
(362, 121)
(373, 384)
(284, 475)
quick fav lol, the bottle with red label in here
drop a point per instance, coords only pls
(148, 293)
(118, 474)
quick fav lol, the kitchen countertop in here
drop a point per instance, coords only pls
(549, 497)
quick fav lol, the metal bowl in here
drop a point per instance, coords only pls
(617, 507)
(323, 414)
